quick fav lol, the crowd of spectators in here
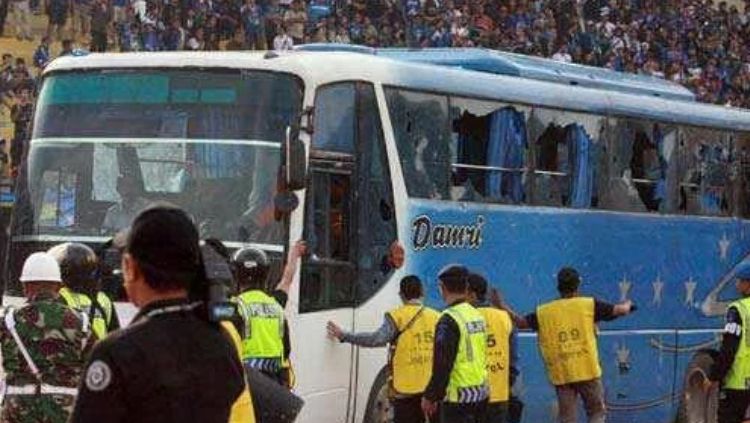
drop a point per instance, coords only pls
(699, 43)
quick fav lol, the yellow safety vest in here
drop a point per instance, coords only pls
(738, 376)
(411, 354)
(567, 340)
(468, 379)
(82, 304)
(242, 410)
(264, 326)
(499, 328)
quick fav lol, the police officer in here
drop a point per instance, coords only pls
(44, 345)
(459, 374)
(410, 331)
(732, 366)
(171, 365)
(265, 344)
(567, 341)
(501, 350)
(79, 266)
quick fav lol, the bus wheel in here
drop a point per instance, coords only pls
(697, 406)
(378, 405)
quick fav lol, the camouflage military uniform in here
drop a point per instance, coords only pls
(57, 342)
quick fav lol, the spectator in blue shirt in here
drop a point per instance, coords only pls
(42, 55)
(150, 38)
(252, 24)
(174, 36)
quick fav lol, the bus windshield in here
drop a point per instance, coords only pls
(106, 145)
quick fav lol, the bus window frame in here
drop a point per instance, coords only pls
(731, 138)
(351, 164)
(328, 162)
(526, 171)
(312, 261)
(605, 140)
(364, 161)
(299, 82)
(530, 169)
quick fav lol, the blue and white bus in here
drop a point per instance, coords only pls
(509, 165)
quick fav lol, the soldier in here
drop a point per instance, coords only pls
(78, 267)
(43, 348)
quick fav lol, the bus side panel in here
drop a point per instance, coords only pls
(532, 386)
(638, 376)
(679, 270)
(640, 388)
(324, 376)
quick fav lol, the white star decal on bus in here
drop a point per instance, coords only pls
(529, 281)
(623, 355)
(519, 388)
(554, 410)
(724, 244)
(690, 286)
(625, 286)
(658, 286)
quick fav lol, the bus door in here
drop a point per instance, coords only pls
(349, 226)
(328, 273)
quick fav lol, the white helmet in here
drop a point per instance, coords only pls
(40, 267)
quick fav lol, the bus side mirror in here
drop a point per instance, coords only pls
(295, 160)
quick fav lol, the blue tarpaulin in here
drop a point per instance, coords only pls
(506, 149)
(581, 155)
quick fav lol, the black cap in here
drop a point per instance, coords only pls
(165, 243)
(568, 280)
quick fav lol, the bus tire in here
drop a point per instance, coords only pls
(695, 405)
(378, 405)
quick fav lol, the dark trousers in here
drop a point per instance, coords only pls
(733, 405)
(19, 144)
(98, 41)
(407, 409)
(464, 413)
(592, 393)
(497, 412)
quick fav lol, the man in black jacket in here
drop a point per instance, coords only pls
(171, 364)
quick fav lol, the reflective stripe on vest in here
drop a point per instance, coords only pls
(567, 340)
(411, 359)
(82, 304)
(499, 328)
(264, 326)
(44, 389)
(738, 376)
(468, 379)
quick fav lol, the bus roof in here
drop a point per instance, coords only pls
(530, 67)
(321, 67)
